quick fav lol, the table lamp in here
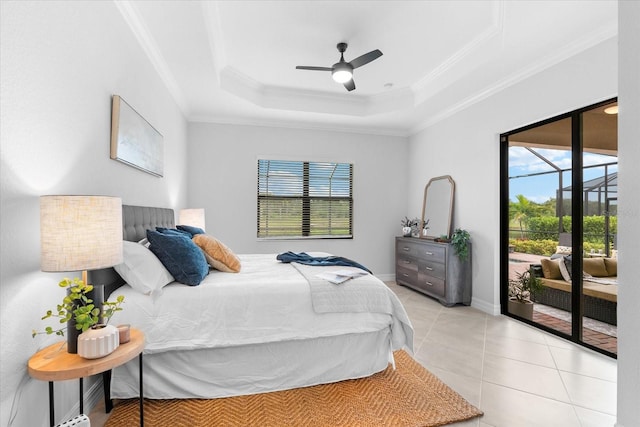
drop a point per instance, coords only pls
(80, 233)
(192, 217)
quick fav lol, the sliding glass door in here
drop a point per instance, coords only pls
(599, 227)
(558, 218)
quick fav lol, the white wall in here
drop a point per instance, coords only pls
(61, 62)
(466, 146)
(223, 180)
(629, 216)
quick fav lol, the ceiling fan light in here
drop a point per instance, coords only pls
(341, 76)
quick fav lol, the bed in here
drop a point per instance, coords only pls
(272, 326)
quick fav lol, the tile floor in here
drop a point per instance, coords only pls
(519, 376)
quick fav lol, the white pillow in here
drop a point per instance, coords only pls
(566, 275)
(142, 270)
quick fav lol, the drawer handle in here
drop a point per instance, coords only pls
(429, 283)
(405, 274)
(428, 268)
(405, 249)
(406, 262)
(429, 253)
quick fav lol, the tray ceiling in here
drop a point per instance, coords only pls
(234, 61)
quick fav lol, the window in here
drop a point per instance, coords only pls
(305, 199)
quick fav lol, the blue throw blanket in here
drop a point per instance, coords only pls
(304, 258)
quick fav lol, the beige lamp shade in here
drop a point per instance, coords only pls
(80, 232)
(192, 217)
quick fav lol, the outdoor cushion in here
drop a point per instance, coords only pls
(594, 267)
(551, 268)
(612, 266)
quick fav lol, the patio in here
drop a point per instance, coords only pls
(596, 333)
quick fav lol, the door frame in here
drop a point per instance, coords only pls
(577, 228)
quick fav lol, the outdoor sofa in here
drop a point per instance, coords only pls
(599, 286)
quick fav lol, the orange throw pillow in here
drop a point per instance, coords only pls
(218, 255)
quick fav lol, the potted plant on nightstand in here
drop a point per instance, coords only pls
(78, 313)
(521, 290)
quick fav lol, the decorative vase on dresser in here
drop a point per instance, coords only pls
(434, 269)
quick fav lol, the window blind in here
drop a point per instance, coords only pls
(305, 199)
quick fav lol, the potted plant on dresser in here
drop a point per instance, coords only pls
(460, 242)
(408, 226)
(521, 289)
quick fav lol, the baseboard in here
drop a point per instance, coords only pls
(386, 277)
(91, 398)
(484, 306)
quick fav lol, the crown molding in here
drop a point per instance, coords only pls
(213, 27)
(568, 51)
(282, 124)
(426, 86)
(284, 98)
(130, 13)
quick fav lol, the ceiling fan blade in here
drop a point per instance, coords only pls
(350, 85)
(366, 58)
(303, 67)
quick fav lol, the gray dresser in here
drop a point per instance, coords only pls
(434, 269)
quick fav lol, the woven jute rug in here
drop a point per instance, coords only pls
(409, 396)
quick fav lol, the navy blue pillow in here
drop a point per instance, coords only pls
(190, 229)
(173, 231)
(184, 260)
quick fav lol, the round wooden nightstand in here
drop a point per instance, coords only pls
(53, 363)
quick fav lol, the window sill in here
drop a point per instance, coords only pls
(268, 239)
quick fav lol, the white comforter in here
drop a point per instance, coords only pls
(267, 301)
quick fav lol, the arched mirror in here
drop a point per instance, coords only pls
(437, 208)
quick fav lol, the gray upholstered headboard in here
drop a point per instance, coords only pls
(136, 220)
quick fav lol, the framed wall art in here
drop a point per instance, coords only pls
(134, 141)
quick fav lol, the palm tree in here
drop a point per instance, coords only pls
(521, 211)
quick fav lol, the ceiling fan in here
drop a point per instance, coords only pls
(342, 71)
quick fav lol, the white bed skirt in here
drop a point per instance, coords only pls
(255, 368)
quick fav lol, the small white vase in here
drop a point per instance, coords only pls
(98, 341)
(406, 231)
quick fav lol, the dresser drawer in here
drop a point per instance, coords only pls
(420, 249)
(407, 263)
(406, 275)
(432, 253)
(433, 285)
(405, 248)
(431, 268)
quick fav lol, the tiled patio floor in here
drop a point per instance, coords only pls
(595, 338)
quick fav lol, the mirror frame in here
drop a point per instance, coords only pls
(450, 207)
